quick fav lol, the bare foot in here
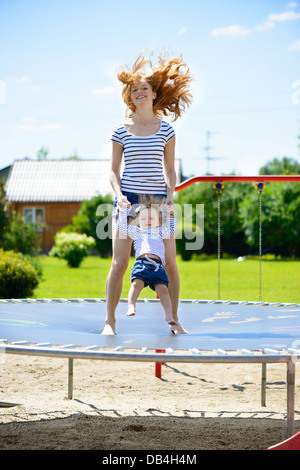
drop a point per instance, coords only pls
(108, 330)
(177, 329)
(130, 311)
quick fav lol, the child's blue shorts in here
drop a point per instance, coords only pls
(145, 270)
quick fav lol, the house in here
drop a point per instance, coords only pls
(51, 191)
(4, 173)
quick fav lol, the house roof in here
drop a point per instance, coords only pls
(60, 180)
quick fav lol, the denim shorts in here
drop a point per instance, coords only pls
(145, 270)
(133, 199)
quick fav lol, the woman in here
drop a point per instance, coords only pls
(148, 145)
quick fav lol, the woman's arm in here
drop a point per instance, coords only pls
(115, 168)
(169, 166)
(115, 174)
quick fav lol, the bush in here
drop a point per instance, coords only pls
(91, 215)
(22, 237)
(18, 278)
(73, 247)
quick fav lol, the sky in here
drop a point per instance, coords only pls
(59, 89)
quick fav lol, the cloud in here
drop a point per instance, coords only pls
(272, 19)
(24, 79)
(232, 30)
(295, 46)
(31, 125)
(182, 30)
(108, 90)
(44, 127)
(265, 26)
(285, 16)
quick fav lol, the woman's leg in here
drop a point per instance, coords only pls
(174, 281)
(114, 282)
(173, 275)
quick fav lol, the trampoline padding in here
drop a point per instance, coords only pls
(210, 325)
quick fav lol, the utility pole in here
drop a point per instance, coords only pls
(207, 148)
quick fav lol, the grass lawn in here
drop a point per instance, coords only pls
(198, 277)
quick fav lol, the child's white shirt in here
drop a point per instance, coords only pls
(148, 241)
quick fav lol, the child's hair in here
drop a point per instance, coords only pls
(148, 201)
(167, 79)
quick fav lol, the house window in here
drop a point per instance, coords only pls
(35, 215)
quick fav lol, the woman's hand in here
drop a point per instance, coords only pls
(122, 202)
(170, 206)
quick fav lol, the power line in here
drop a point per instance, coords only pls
(207, 148)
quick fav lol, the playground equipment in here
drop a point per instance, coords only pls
(219, 331)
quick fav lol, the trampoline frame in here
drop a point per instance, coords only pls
(194, 356)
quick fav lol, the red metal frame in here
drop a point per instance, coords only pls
(237, 178)
(223, 179)
(158, 364)
(293, 443)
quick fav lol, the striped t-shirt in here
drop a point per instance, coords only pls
(143, 159)
(147, 241)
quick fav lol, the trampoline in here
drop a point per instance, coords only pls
(220, 331)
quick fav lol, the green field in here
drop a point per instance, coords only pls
(198, 277)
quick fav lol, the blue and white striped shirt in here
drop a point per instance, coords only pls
(148, 241)
(143, 158)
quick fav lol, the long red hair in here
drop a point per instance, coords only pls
(169, 79)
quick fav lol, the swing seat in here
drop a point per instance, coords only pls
(292, 443)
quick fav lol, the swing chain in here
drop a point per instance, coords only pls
(219, 187)
(260, 187)
(219, 246)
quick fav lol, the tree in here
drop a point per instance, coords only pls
(94, 219)
(239, 204)
(280, 211)
(285, 166)
(232, 233)
(42, 153)
(4, 215)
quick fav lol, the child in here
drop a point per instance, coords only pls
(147, 233)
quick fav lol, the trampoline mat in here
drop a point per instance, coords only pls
(229, 326)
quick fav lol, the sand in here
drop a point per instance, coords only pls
(122, 406)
